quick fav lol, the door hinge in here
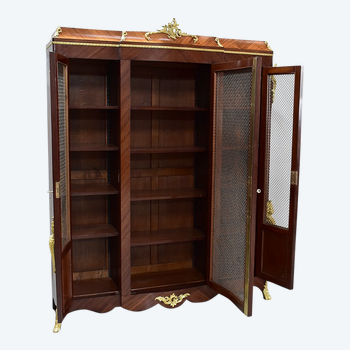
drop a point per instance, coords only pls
(294, 177)
(58, 189)
(52, 245)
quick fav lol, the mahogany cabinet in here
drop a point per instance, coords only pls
(174, 169)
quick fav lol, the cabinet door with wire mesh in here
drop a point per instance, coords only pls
(234, 158)
(278, 174)
(59, 173)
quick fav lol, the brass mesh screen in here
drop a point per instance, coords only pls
(63, 148)
(232, 113)
(279, 137)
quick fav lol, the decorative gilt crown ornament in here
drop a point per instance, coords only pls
(173, 32)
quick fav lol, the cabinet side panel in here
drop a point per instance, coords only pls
(49, 129)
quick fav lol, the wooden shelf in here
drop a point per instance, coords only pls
(168, 150)
(93, 190)
(93, 147)
(175, 193)
(179, 109)
(94, 287)
(186, 234)
(235, 148)
(93, 231)
(163, 280)
(92, 107)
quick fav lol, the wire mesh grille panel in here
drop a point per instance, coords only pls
(232, 115)
(279, 138)
(63, 147)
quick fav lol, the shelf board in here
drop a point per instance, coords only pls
(168, 150)
(94, 287)
(235, 148)
(160, 108)
(186, 234)
(93, 190)
(172, 193)
(163, 280)
(92, 107)
(93, 147)
(93, 231)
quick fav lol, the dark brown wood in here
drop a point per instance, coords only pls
(94, 287)
(100, 304)
(92, 190)
(169, 150)
(254, 180)
(90, 147)
(139, 238)
(144, 195)
(165, 280)
(164, 108)
(124, 228)
(93, 107)
(93, 231)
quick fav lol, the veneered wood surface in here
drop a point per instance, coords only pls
(134, 37)
(143, 301)
(97, 304)
(105, 44)
(184, 234)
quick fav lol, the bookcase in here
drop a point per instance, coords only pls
(166, 179)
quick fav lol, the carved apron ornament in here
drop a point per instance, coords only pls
(173, 300)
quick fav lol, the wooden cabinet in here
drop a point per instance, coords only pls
(173, 169)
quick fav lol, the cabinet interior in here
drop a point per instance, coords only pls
(169, 155)
(169, 174)
(94, 168)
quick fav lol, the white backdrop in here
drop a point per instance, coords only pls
(314, 314)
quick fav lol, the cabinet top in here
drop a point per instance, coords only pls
(170, 36)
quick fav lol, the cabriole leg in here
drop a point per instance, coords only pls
(266, 293)
(57, 327)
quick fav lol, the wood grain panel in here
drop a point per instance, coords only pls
(125, 176)
(170, 55)
(90, 255)
(94, 287)
(166, 280)
(274, 254)
(183, 234)
(174, 214)
(145, 301)
(91, 52)
(134, 37)
(100, 304)
(89, 210)
(87, 126)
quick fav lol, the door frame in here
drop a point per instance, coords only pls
(285, 236)
(61, 279)
(256, 65)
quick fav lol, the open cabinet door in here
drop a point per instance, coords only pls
(278, 174)
(236, 110)
(60, 241)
